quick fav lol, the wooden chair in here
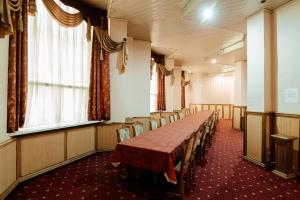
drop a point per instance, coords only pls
(195, 146)
(210, 130)
(172, 119)
(200, 146)
(153, 124)
(138, 129)
(175, 117)
(183, 168)
(123, 133)
(181, 115)
(163, 121)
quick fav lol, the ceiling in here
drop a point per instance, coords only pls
(175, 28)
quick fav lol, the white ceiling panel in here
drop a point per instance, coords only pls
(175, 28)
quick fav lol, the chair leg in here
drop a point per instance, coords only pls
(181, 187)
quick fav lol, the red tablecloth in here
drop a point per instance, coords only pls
(156, 150)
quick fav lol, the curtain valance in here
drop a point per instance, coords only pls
(107, 44)
(62, 17)
(6, 21)
(160, 62)
(111, 46)
(185, 83)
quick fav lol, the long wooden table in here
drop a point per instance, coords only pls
(157, 150)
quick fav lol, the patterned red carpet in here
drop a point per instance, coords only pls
(225, 176)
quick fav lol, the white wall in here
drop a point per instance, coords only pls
(169, 87)
(3, 87)
(130, 92)
(177, 88)
(240, 85)
(212, 89)
(287, 25)
(188, 90)
(259, 62)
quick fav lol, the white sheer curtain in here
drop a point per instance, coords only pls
(153, 90)
(59, 66)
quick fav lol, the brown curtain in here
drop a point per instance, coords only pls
(99, 90)
(182, 90)
(17, 72)
(161, 96)
(62, 17)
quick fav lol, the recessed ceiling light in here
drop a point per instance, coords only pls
(207, 13)
(213, 61)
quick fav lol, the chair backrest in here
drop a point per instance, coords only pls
(212, 124)
(197, 138)
(153, 124)
(138, 129)
(123, 134)
(175, 117)
(172, 118)
(188, 148)
(163, 121)
(181, 115)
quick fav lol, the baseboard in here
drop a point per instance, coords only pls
(255, 161)
(9, 190)
(104, 150)
(283, 175)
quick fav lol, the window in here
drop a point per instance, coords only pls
(153, 90)
(58, 71)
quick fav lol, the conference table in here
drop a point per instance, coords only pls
(157, 150)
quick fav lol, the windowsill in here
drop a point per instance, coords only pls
(56, 127)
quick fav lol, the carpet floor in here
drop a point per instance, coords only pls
(225, 176)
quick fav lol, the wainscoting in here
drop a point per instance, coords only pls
(257, 137)
(225, 110)
(107, 136)
(238, 117)
(27, 156)
(258, 145)
(287, 124)
(8, 167)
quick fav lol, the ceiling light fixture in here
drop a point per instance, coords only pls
(213, 61)
(207, 13)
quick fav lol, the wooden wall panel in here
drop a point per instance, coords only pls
(254, 137)
(199, 107)
(7, 165)
(155, 115)
(80, 141)
(212, 107)
(41, 151)
(107, 136)
(144, 120)
(219, 108)
(237, 118)
(205, 107)
(226, 110)
(288, 125)
(268, 133)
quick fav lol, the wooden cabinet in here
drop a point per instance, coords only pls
(283, 146)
